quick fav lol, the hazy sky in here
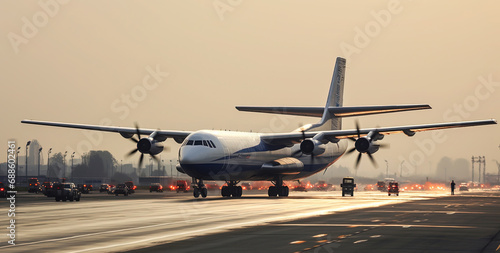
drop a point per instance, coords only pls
(184, 65)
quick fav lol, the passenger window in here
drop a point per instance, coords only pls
(190, 142)
(198, 143)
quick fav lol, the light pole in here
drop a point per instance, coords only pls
(163, 168)
(171, 173)
(121, 166)
(386, 168)
(26, 175)
(64, 164)
(401, 172)
(39, 151)
(72, 155)
(48, 163)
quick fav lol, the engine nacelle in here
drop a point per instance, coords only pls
(149, 146)
(311, 146)
(365, 144)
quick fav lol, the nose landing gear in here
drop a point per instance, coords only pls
(278, 189)
(199, 188)
(231, 190)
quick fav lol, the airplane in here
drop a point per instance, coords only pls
(247, 156)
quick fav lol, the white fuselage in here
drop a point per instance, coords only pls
(236, 156)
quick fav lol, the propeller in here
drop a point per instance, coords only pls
(363, 145)
(139, 143)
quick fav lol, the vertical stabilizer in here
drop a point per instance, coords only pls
(335, 99)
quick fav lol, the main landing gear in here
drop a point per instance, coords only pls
(231, 190)
(199, 188)
(278, 189)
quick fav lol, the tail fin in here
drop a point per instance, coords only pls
(335, 99)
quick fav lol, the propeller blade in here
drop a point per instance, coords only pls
(132, 152)
(137, 130)
(372, 159)
(134, 140)
(352, 139)
(357, 128)
(358, 159)
(140, 160)
(351, 150)
(384, 145)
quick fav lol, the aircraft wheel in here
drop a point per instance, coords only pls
(204, 192)
(225, 191)
(196, 192)
(272, 192)
(239, 191)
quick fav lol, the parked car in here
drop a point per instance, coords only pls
(122, 189)
(85, 188)
(67, 191)
(104, 188)
(131, 187)
(48, 189)
(111, 189)
(182, 186)
(157, 187)
(3, 191)
(34, 185)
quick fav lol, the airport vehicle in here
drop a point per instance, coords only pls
(463, 187)
(3, 191)
(104, 188)
(122, 189)
(48, 189)
(248, 156)
(67, 191)
(246, 186)
(155, 187)
(300, 188)
(111, 189)
(182, 186)
(131, 187)
(348, 186)
(34, 185)
(85, 188)
(381, 186)
(393, 188)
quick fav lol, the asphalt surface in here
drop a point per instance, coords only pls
(304, 222)
(469, 222)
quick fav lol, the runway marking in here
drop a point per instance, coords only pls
(375, 236)
(297, 242)
(360, 241)
(320, 235)
(443, 212)
(374, 225)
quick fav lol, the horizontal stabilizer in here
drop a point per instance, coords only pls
(335, 111)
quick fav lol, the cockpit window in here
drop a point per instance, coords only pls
(206, 143)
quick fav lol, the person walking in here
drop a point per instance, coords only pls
(452, 187)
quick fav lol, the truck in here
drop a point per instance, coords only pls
(348, 186)
(66, 191)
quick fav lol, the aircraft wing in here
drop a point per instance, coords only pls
(288, 139)
(126, 132)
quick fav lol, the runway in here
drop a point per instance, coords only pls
(180, 223)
